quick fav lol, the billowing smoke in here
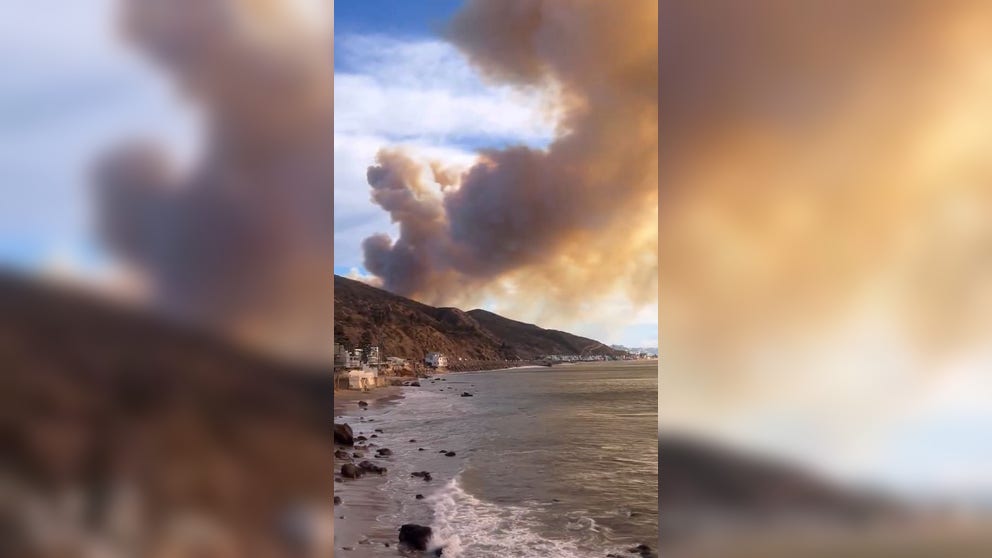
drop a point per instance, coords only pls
(240, 242)
(804, 183)
(824, 229)
(560, 228)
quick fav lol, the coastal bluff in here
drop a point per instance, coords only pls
(408, 329)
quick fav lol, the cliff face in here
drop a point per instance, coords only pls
(408, 329)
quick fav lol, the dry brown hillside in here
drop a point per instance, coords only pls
(406, 328)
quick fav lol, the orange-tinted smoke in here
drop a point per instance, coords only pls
(822, 161)
(571, 224)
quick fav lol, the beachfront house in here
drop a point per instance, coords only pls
(354, 359)
(436, 360)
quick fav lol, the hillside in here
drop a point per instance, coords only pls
(533, 340)
(409, 329)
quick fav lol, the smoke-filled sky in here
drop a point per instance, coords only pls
(825, 233)
(505, 157)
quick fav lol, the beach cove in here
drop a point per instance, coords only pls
(536, 462)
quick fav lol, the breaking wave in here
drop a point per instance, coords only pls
(468, 527)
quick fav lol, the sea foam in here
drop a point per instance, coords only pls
(466, 526)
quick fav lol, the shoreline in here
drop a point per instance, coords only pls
(404, 419)
(367, 518)
(374, 397)
(357, 502)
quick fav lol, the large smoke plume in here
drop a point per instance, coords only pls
(823, 217)
(803, 182)
(241, 241)
(560, 228)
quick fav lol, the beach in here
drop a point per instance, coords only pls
(358, 527)
(549, 462)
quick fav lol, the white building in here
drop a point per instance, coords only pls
(436, 360)
(374, 355)
(355, 359)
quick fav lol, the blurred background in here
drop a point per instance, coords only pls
(825, 276)
(165, 268)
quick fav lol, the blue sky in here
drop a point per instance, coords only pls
(397, 19)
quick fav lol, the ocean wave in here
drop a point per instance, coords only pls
(468, 527)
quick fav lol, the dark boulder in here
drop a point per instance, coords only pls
(337, 500)
(466, 394)
(415, 536)
(341, 454)
(450, 454)
(384, 452)
(643, 550)
(372, 468)
(349, 471)
(414, 384)
(419, 496)
(343, 435)
(422, 474)
(363, 404)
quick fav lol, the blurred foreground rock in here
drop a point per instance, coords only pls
(125, 435)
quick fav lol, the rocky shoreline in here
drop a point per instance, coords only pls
(361, 452)
(364, 460)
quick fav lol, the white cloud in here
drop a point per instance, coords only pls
(425, 90)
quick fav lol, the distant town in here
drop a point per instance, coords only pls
(367, 368)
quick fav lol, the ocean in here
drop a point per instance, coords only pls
(549, 462)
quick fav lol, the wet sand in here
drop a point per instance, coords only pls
(355, 527)
(346, 401)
